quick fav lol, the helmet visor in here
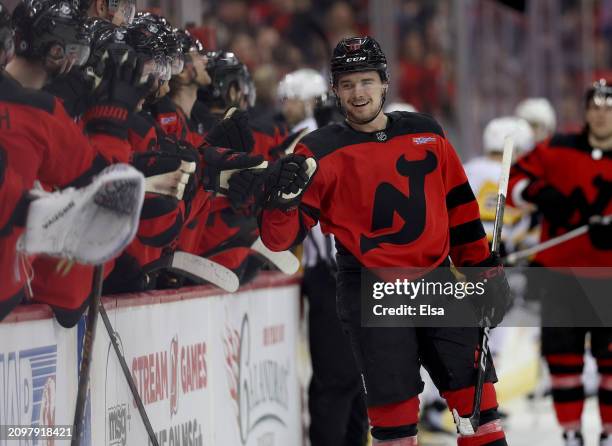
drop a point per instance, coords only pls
(123, 11)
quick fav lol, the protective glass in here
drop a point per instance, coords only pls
(177, 63)
(77, 53)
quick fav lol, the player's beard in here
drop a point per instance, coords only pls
(362, 121)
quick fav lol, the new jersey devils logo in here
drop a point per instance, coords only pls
(388, 201)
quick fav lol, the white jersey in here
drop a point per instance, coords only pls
(483, 174)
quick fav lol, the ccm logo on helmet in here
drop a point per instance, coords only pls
(355, 59)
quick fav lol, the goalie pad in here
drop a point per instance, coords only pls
(90, 225)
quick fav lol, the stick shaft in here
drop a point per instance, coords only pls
(88, 341)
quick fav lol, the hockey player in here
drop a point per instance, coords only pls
(44, 143)
(358, 194)
(540, 115)
(568, 178)
(337, 408)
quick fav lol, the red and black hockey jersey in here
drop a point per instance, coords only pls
(392, 198)
(43, 143)
(584, 175)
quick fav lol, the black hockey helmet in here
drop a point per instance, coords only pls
(187, 42)
(106, 37)
(167, 34)
(41, 25)
(600, 92)
(7, 36)
(146, 39)
(355, 54)
(225, 71)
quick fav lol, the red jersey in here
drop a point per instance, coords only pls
(567, 163)
(43, 143)
(393, 198)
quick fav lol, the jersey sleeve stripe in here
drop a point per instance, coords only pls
(466, 233)
(459, 195)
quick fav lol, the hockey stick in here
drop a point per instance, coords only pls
(519, 255)
(469, 425)
(87, 353)
(128, 376)
(198, 269)
(285, 261)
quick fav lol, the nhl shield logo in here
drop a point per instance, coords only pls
(381, 136)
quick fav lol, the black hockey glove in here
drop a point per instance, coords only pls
(555, 206)
(247, 189)
(496, 300)
(117, 95)
(600, 232)
(287, 180)
(219, 161)
(233, 133)
(280, 150)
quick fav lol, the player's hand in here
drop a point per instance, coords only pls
(218, 160)
(287, 180)
(496, 300)
(233, 133)
(600, 232)
(553, 204)
(247, 188)
(166, 173)
(121, 84)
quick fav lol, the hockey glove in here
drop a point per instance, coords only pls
(287, 180)
(247, 188)
(166, 173)
(220, 164)
(600, 232)
(555, 206)
(493, 304)
(117, 95)
(233, 133)
(90, 225)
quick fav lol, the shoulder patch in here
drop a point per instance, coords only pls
(12, 92)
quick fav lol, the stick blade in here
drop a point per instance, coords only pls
(205, 269)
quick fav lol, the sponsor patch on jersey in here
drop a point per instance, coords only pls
(423, 139)
(381, 136)
(165, 120)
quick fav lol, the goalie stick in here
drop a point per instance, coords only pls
(469, 425)
(198, 269)
(519, 255)
(87, 352)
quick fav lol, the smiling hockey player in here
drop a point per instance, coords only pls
(391, 189)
